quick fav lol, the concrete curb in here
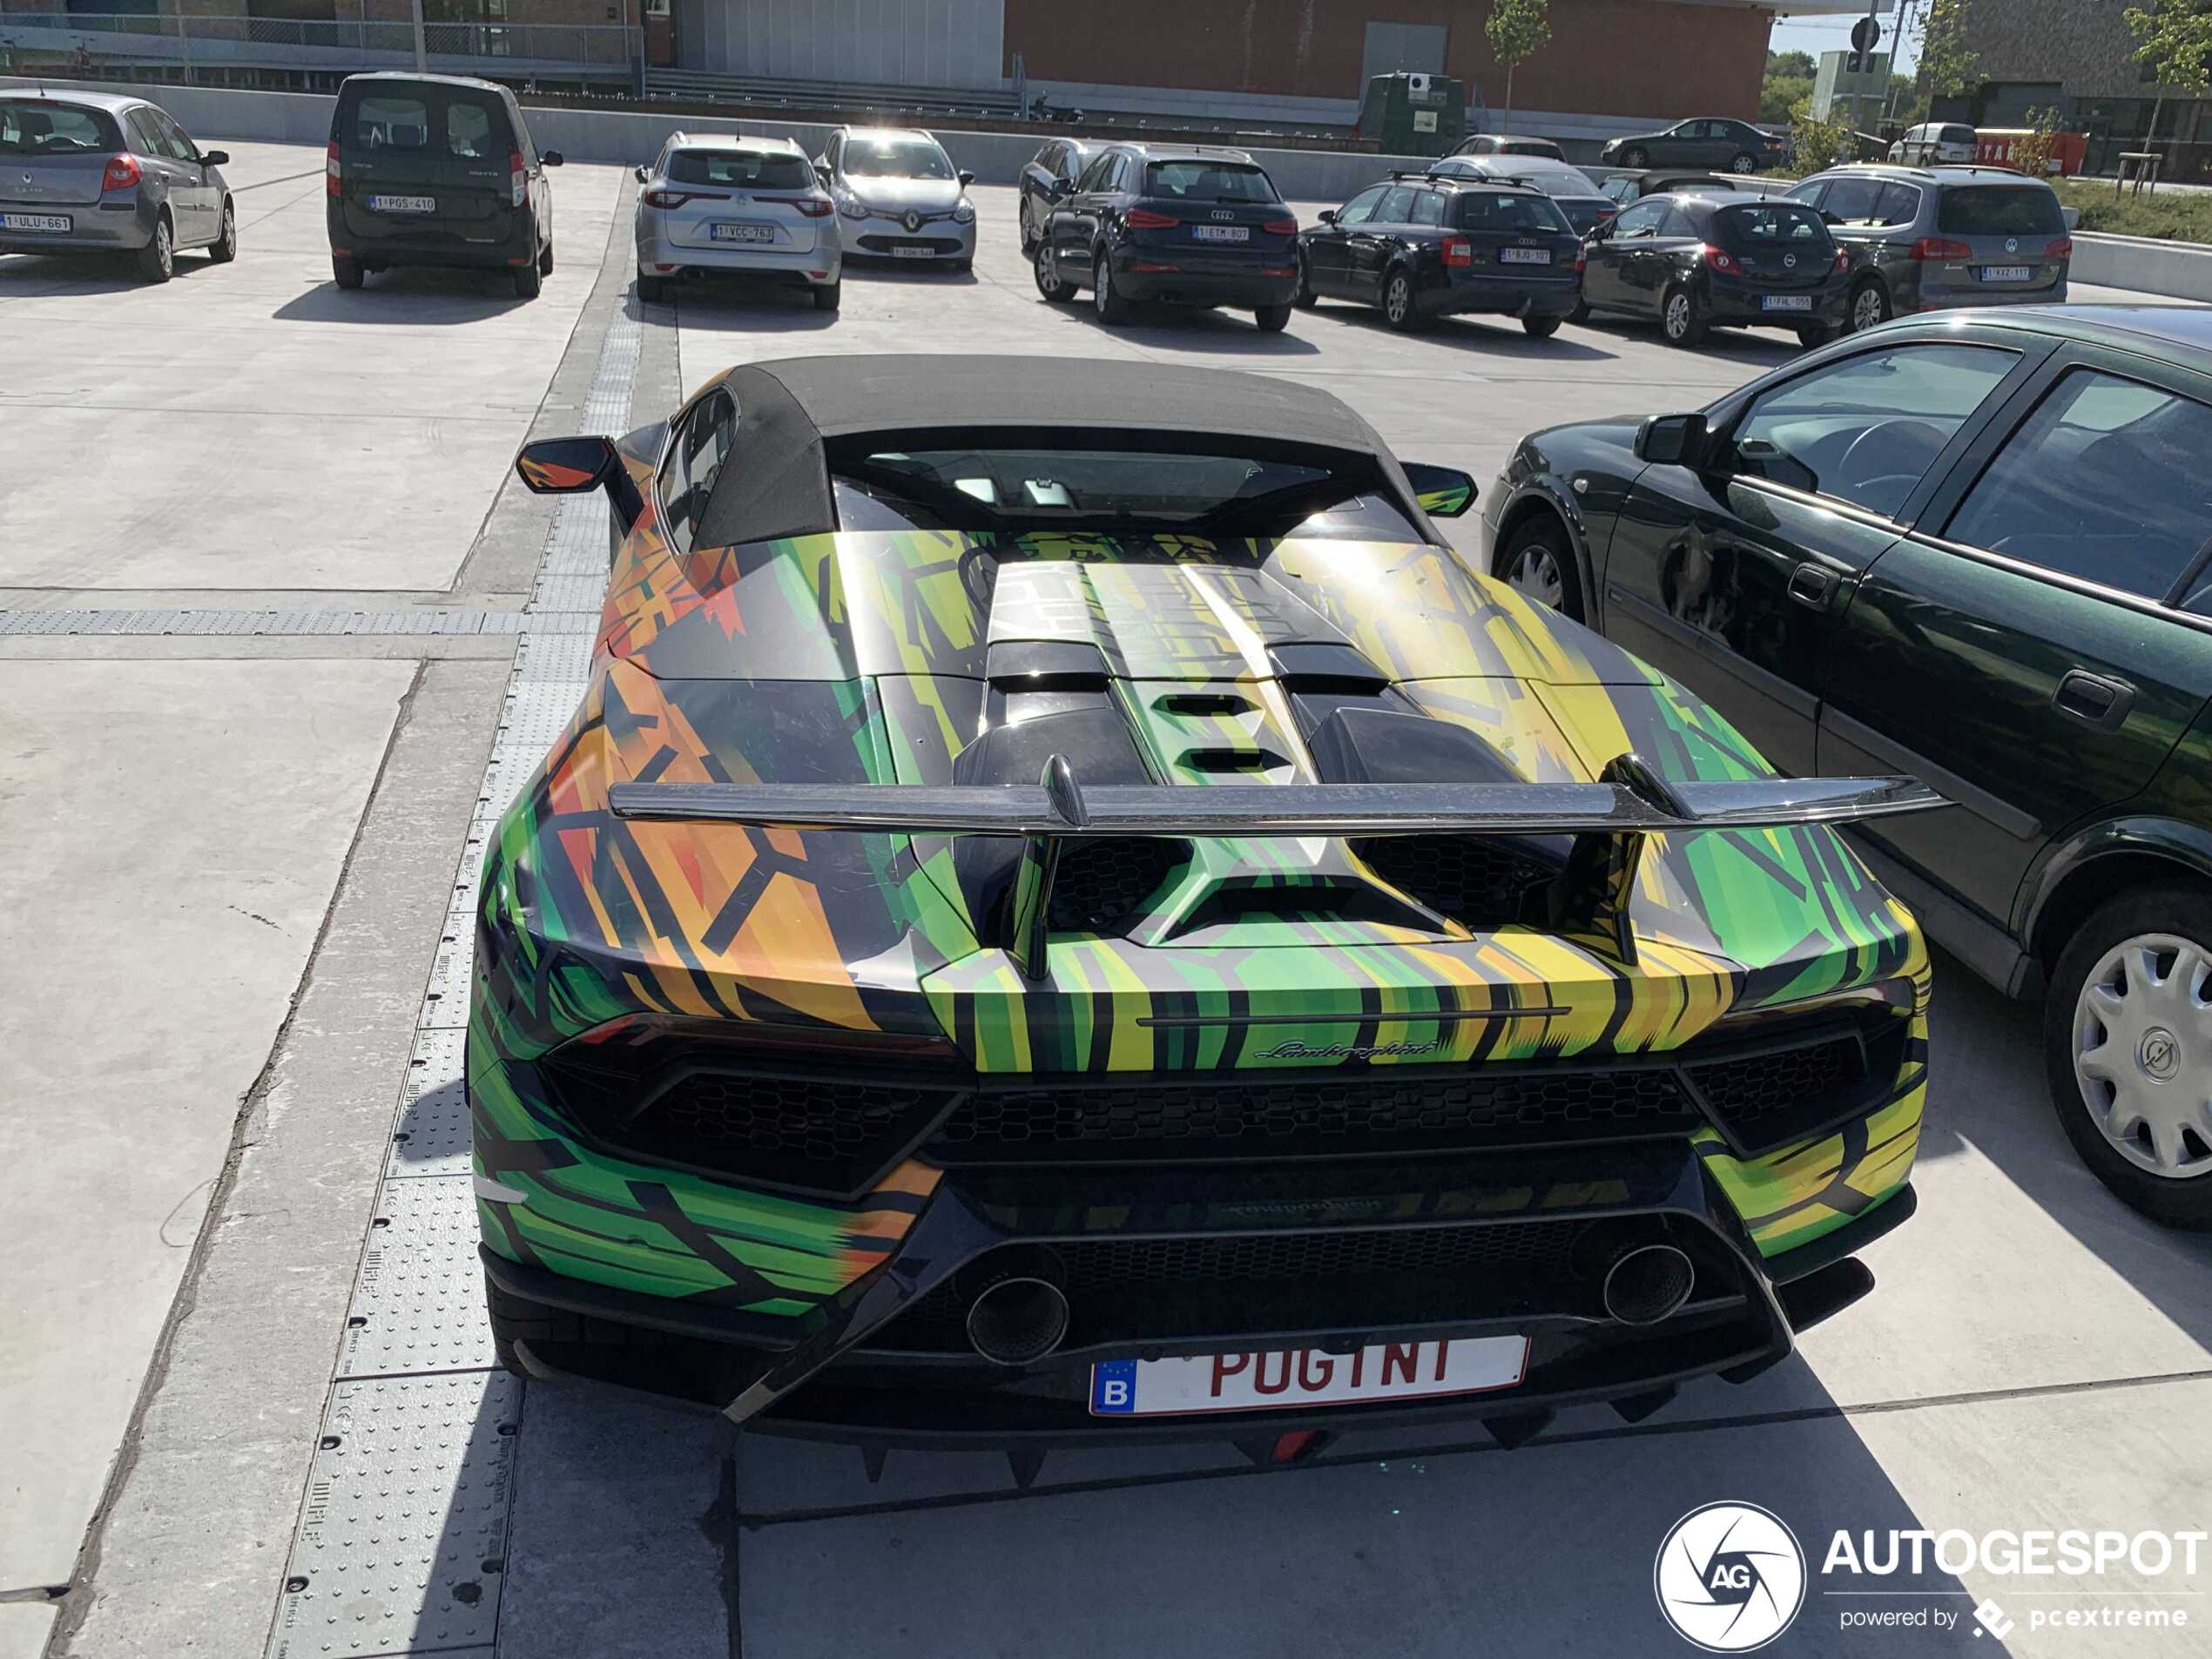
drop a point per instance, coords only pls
(2175, 270)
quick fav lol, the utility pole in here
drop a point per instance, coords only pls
(421, 48)
(1904, 23)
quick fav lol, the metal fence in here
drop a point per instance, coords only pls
(142, 38)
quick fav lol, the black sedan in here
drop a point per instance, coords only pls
(1058, 163)
(1185, 224)
(1422, 246)
(1736, 145)
(1691, 262)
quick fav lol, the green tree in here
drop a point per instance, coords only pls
(1789, 78)
(2175, 38)
(1948, 67)
(1518, 30)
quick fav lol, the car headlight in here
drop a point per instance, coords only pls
(853, 207)
(965, 213)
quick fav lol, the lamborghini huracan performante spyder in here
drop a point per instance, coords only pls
(1066, 912)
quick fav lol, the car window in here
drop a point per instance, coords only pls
(1361, 208)
(1999, 210)
(469, 129)
(739, 169)
(145, 137)
(33, 127)
(1095, 175)
(180, 141)
(1897, 205)
(1851, 200)
(1958, 134)
(695, 458)
(1620, 190)
(1513, 213)
(1680, 222)
(1775, 223)
(1428, 207)
(896, 159)
(388, 122)
(1808, 192)
(1644, 219)
(2104, 481)
(1394, 207)
(1864, 429)
(1207, 181)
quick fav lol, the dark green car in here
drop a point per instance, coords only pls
(1978, 550)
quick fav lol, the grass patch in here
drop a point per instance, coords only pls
(2171, 215)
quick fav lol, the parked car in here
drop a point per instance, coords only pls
(92, 172)
(1625, 187)
(1924, 238)
(1736, 145)
(1972, 549)
(1505, 144)
(817, 991)
(898, 196)
(1058, 162)
(1733, 259)
(1185, 223)
(1421, 247)
(436, 170)
(716, 203)
(1584, 204)
(1935, 141)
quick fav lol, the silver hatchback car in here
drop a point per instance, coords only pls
(92, 172)
(898, 196)
(721, 203)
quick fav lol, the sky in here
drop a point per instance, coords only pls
(1818, 35)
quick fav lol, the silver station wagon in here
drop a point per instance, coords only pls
(725, 205)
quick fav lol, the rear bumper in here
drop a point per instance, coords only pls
(815, 267)
(95, 227)
(1745, 306)
(1921, 295)
(398, 243)
(1178, 277)
(1517, 296)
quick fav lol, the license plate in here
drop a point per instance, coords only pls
(1787, 301)
(35, 222)
(403, 204)
(1222, 232)
(2005, 273)
(914, 252)
(741, 233)
(1244, 1382)
(1524, 256)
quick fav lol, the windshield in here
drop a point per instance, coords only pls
(896, 159)
(1999, 210)
(739, 169)
(43, 129)
(1207, 181)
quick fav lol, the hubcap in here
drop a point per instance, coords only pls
(1102, 292)
(1678, 316)
(2142, 1054)
(1536, 573)
(1047, 279)
(161, 245)
(1399, 300)
(1868, 311)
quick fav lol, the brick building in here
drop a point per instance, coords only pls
(2076, 56)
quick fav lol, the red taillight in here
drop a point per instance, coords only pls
(1281, 227)
(814, 206)
(2061, 249)
(1843, 261)
(1143, 218)
(123, 173)
(517, 180)
(665, 198)
(1721, 259)
(331, 169)
(1581, 262)
(1940, 247)
(1459, 253)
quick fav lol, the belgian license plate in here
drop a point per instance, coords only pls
(403, 204)
(1245, 1382)
(2005, 273)
(35, 222)
(914, 252)
(1787, 301)
(1524, 256)
(741, 233)
(1222, 232)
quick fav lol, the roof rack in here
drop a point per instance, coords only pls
(1431, 177)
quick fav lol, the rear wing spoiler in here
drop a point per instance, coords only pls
(1609, 819)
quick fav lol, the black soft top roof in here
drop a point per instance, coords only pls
(778, 483)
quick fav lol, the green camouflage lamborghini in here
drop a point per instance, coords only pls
(1066, 912)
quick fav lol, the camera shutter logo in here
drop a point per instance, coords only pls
(1729, 1577)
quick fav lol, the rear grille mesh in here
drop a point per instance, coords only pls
(1101, 886)
(825, 1132)
(1746, 1090)
(1475, 879)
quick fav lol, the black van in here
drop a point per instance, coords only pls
(436, 169)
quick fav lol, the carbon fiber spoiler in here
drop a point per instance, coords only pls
(1609, 819)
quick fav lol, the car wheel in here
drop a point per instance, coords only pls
(1028, 235)
(1580, 314)
(1681, 319)
(1745, 162)
(1813, 335)
(224, 248)
(1271, 318)
(346, 273)
(651, 289)
(2127, 1044)
(1537, 562)
(1635, 155)
(1870, 305)
(1112, 309)
(545, 261)
(829, 298)
(1540, 328)
(158, 259)
(1050, 283)
(1397, 307)
(1305, 298)
(526, 281)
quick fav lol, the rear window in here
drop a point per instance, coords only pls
(1532, 147)
(1775, 223)
(1207, 181)
(1999, 210)
(740, 170)
(388, 122)
(1496, 210)
(1957, 135)
(1583, 213)
(28, 128)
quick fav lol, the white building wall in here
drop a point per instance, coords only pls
(890, 43)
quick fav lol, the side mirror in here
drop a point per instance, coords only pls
(1599, 231)
(640, 174)
(1671, 440)
(214, 158)
(573, 466)
(822, 172)
(550, 158)
(1442, 492)
(965, 179)
(1059, 188)
(1327, 216)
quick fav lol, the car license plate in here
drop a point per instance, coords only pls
(741, 233)
(1787, 301)
(1524, 256)
(914, 252)
(2005, 273)
(1222, 232)
(1244, 1382)
(35, 222)
(403, 204)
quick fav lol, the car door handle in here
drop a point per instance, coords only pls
(1813, 586)
(2093, 699)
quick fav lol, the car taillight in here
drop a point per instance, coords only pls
(1581, 262)
(1721, 259)
(1843, 261)
(1940, 247)
(517, 180)
(814, 206)
(1143, 218)
(1281, 227)
(2061, 249)
(1459, 253)
(665, 198)
(122, 173)
(331, 170)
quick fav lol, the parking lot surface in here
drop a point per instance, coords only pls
(280, 634)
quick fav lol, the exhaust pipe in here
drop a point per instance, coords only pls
(1645, 1284)
(1017, 1313)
